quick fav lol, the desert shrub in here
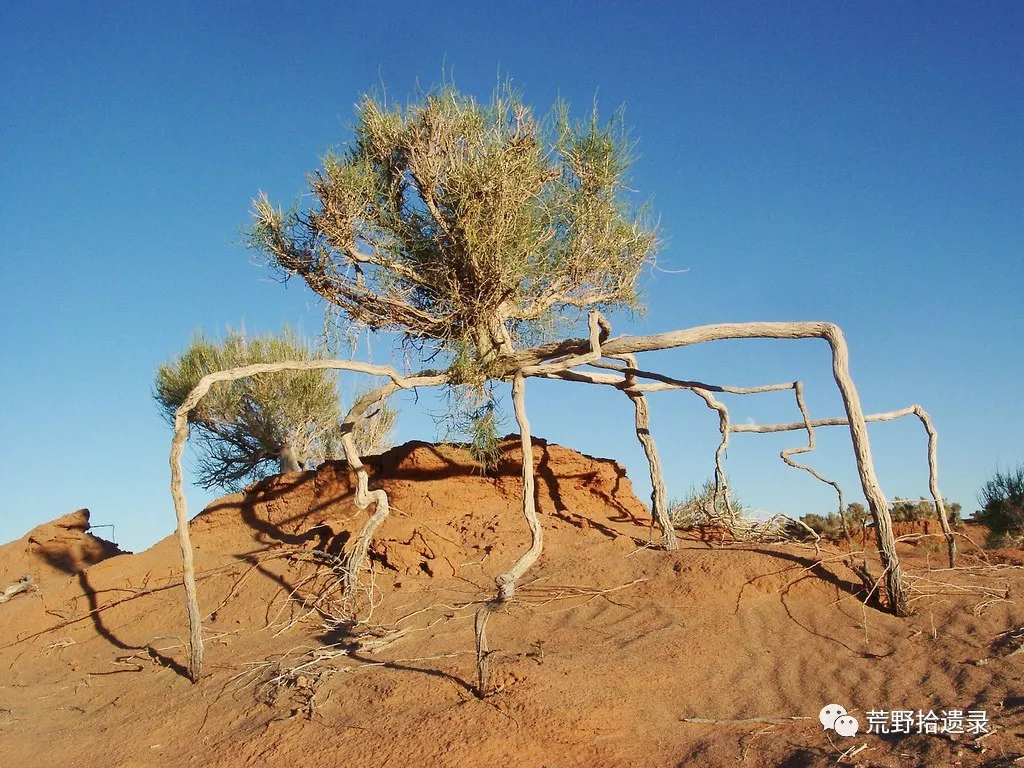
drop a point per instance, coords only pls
(857, 515)
(914, 510)
(257, 426)
(828, 526)
(1002, 507)
(704, 507)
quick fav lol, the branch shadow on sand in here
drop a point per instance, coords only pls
(96, 615)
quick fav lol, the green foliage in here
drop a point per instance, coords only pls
(828, 526)
(473, 415)
(856, 515)
(465, 225)
(254, 427)
(482, 428)
(913, 510)
(1002, 502)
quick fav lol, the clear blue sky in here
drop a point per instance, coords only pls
(861, 163)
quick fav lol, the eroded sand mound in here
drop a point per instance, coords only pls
(61, 547)
(616, 654)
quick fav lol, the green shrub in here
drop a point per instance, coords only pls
(828, 526)
(1002, 507)
(913, 510)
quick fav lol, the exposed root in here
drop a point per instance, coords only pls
(559, 360)
(921, 586)
(22, 585)
(483, 650)
(181, 417)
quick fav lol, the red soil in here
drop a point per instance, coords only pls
(611, 652)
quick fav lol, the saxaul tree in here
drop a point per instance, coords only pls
(476, 233)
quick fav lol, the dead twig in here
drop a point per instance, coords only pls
(773, 720)
(24, 584)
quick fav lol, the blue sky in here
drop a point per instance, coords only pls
(853, 162)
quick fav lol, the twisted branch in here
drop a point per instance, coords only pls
(933, 462)
(195, 663)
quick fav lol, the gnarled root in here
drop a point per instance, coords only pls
(659, 503)
(506, 582)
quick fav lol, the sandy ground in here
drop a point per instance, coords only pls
(615, 654)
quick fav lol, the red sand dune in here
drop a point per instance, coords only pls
(616, 654)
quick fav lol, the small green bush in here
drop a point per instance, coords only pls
(830, 526)
(1002, 507)
(912, 510)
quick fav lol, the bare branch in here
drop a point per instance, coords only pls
(178, 446)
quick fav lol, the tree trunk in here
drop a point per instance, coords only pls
(659, 505)
(507, 581)
(895, 587)
(288, 459)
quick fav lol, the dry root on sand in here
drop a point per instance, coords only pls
(597, 360)
(22, 585)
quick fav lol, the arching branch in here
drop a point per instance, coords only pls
(933, 465)
(195, 664)
(896, 591)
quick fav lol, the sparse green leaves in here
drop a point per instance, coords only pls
(257, 426)
(450, 219)
(1002, 500)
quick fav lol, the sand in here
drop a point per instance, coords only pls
(615, 654)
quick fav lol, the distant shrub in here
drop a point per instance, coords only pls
(913, 510)
(828, 526)
(1002, 507)
(856, 515)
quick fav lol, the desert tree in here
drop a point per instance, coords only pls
(251, 428)
(480, 234)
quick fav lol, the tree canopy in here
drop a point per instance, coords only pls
(466, 227)
(260, 425)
